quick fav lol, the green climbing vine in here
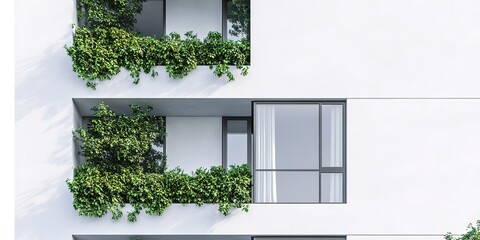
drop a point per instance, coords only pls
(123, 166)
(106, 42)
(99, 54)
(108, 13)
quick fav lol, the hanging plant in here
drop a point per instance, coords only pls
(123, 167)
(99, 54)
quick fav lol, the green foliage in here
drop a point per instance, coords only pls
(98, 190)
(99, 54)
(473, 233)
(120, 140)
(109, 13)
(229, 188)
(106, 42)
(239, 16)
(120, 168)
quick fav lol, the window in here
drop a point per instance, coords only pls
(299, 152)
(300, 238)
(151, 21)
(237, 141)
(236, 19)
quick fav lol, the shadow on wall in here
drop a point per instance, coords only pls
(41, 213)
(199, 83)
(42, 109)
(177, 219)
(46, 79)
(45, 86)
(41, 82)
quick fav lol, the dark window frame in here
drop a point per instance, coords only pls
(225, 19)
(339, 237)
(164, 18)
(320, 169)
(225, 138)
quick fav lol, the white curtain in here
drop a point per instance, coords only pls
(332, 187)
(332, 136)
(336, 187)
(332, 152)
(265, 181)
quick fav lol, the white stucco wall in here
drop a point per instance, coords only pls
(412, 170)
(408, 69)
(194, 142)
(199, 16)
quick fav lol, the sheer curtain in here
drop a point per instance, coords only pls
(332, 136)
(266, 181)
(332, 187)
(332, 152)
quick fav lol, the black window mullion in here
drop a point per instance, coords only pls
(249, 142)
(344, 150)
(332, 170)
(320, 153)
(254, 171)
(224, 19)
(164, 18)
(224, 142)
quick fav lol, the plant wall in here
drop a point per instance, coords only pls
(105, 43)
(100, 53)
(123, 166)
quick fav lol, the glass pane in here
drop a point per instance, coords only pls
(332, 135)
(287, 136)
(276, 186)
(238, 19)
(158, 148)
(332, 187)
(150, 21)
(237, 142)
(299, 238)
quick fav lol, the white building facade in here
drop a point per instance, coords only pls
(384, 96)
